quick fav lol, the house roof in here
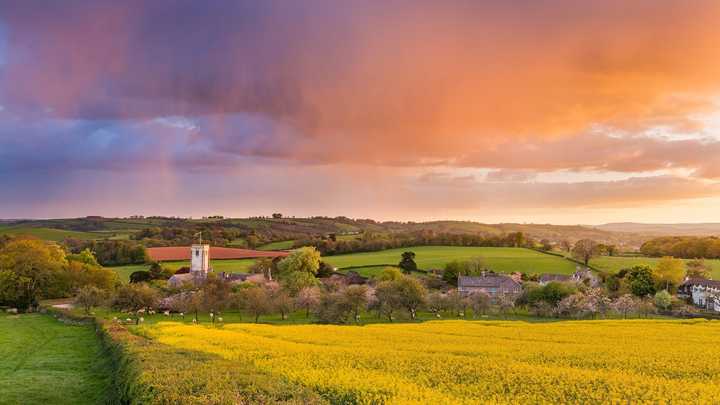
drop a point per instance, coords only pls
(546, 277)
(702, 282)
(488, 281)
(161, 254)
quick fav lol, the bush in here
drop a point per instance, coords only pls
(140, 276)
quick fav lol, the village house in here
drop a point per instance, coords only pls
(493, 284)
(702, 292)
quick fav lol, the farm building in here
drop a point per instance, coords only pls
(492, 284)
(704, 293)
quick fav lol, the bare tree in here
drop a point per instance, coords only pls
(584, 250)
(625, 305)
(479, 302)
(356, 297)
(308, 298)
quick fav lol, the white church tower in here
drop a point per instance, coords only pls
(199, 260)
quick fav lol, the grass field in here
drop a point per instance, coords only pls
(615, 264)
(43, 361)
(281, 245)
(442, 362)
(56, 235)
(504, 260)
(228, 266)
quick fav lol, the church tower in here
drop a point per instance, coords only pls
(199, 259)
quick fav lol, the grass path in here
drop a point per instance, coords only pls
(43, 361)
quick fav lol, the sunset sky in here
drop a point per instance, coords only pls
(497, 111)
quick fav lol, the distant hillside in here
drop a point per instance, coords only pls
(698, 229)
(287, 229)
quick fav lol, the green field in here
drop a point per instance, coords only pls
(281, 245)
(56, 235)
(43, 361)
(505, 260)
(615, 264)
(228, 266)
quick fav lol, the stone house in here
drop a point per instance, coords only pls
(492, 284)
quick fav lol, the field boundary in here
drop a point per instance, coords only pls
(125, 385)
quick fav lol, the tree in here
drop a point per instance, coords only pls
(545, 245)
(640, 280)
(30, 268)
(388, 298)
(411, 293)
(305, 259)
(436, 303)
(295, 281)
(506, 303)
(697, 268)
(266, 266)
(407, 263)
(516, 239)
(566, 245)
(479, 302)
(457, 268)
(575, 305)
(216, 293)
(584, 250)
(325, 270)
(598, 302)
(282, 302)
(158, 272)
(625, 305)
(669, 272)
(389, 274)
(85, 256)
(134, 297)
(551, 293)
(308, 298)
(456, 303)
(611, 250)
(663, 300)
(356, 297)
(79, 274)
(257, 301)
(333, 307)
(140, 276)
(89, 297)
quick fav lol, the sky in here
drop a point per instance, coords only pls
(558, 112)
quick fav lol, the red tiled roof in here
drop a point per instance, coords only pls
(183, 253)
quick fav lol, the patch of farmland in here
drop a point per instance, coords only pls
(504, 260)
(51, 234)
(604, 361)
(43, 361)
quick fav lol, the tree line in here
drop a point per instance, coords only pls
(32, 270)
(376, 241)
(686, 247)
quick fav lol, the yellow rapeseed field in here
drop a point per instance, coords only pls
(452, 362)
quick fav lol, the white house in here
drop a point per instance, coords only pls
(703, 293)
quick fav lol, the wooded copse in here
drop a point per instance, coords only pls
(686, 247)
